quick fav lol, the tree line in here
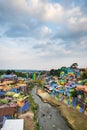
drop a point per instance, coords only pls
(19, 74)
(56, 72)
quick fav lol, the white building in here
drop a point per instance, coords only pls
(13, 124)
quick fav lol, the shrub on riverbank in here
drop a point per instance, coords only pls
(33, 105)
(37, 126)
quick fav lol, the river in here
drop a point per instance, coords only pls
(48, 116)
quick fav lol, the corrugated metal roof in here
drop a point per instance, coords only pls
(7, 110)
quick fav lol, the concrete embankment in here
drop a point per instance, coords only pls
(76, 120)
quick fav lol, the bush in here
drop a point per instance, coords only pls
(3, 101)
(37, 126)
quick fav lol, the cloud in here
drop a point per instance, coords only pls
(39, 33)
(45, 10)
(40, 9)
(25, 18)
(77, 21)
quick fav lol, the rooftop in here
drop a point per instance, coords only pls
(13, 124)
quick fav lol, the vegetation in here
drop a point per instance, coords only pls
(3, 101)
(19, 74)
(84, 74)
(74, 66)
(2, 72)
(55, 72)
(37, 126)
(33, 105)
(39, 82)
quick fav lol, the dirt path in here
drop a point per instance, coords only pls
(28, 119)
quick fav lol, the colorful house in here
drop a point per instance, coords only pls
(23, 105)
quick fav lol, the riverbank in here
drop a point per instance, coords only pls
(29, 123)
(48, 117)
(30, 117)
(76, 120)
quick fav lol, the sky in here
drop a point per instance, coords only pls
(43, 34)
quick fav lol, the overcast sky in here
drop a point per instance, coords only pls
(43, 34)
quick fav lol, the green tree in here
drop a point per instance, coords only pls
(20, 74)
(84, 74)
(2, 72)
(10, 72)
(55, 72)
(74, 66)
